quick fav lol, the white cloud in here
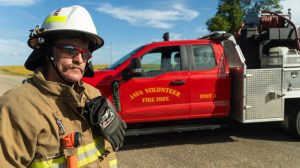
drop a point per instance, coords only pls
(17, 2)
(150, 17)
(293, 5)
(14, 52)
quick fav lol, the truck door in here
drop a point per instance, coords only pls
(209, 81)
(162, 92)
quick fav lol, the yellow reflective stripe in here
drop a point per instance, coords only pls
(91, 146)
(85, 154)
(56, 19)
(91, 152)
(113, 163)
(87, 160)
(53, 163)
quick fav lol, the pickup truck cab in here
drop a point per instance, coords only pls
(168, 80)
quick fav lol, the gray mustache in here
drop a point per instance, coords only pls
(73, 66)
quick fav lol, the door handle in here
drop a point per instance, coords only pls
(178, 82)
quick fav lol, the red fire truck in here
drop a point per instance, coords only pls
(252, 77)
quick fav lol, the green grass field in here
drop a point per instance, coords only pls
(15, 70)
(22, 71)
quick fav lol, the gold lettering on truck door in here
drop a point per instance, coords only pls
(159, 98)
(136, 94)
(207, 96)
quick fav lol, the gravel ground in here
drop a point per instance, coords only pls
(9, 81)
(253, 145)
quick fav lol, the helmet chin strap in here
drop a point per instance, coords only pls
(57, 72)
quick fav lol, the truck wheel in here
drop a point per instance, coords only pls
(292, 122)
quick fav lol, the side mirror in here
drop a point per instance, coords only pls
(134, 69)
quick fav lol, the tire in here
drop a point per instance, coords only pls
(292, 123)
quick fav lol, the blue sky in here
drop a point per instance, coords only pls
(124, 25)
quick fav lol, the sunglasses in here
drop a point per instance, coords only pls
(74, 51)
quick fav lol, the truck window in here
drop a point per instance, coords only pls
(231, 54)
(161, 60)
(204, 57)
(124, 58)
(151, 64)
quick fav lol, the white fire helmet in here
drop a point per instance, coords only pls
(67, 22)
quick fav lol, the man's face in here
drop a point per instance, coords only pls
(70, 57)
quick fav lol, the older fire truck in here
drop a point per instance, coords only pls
(252, 77)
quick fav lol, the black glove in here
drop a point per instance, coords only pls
(106, 120)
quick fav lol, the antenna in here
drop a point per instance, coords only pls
(110, 53)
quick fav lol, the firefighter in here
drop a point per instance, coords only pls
(54, 108)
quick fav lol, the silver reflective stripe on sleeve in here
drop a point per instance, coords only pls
(91, 152)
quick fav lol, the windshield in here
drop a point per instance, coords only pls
(124, 58)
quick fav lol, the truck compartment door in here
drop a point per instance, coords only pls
(263, 95)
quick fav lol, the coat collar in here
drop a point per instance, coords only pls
(59, 90)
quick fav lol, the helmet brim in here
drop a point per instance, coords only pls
(36, 59)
